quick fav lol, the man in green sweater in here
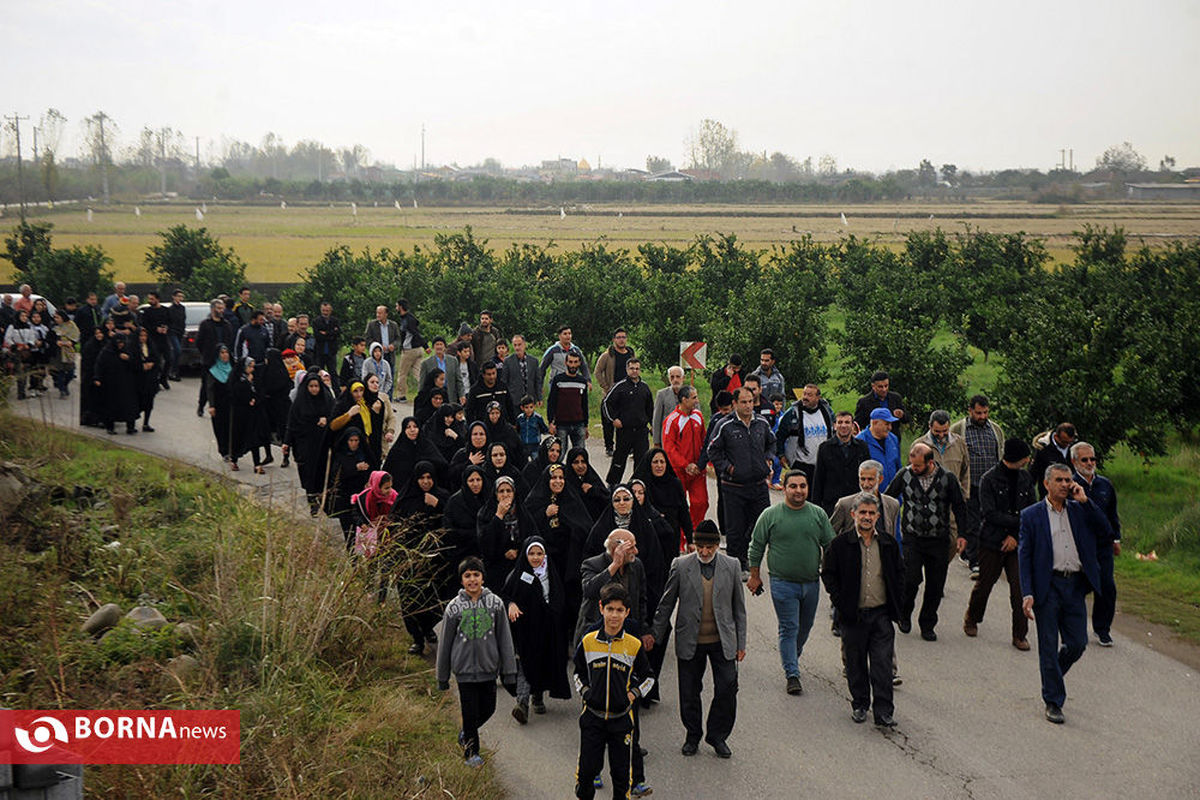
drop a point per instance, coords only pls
(792, 534)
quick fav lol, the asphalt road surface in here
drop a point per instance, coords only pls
(969, 712)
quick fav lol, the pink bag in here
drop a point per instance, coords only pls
(366, 540)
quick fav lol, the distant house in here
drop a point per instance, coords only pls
(670, 176)
(1187, 192)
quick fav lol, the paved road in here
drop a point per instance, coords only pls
(969, 712)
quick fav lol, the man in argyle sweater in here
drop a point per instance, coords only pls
(927, 495)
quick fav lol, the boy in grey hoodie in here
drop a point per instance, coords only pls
(476, 645)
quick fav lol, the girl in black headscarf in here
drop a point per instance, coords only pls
(666, 494)
(218, 383)
(445, 431)
(348, 474)
(472, 452)
(305, 436)
(433, 384)
(115, 380)
(563, 524)
(351, 408)
(460, 522)
(549, 452)
(149, 373)
(249, 430)
(377, 408)
(409, 448)
(499, 463)
(537, 605)
(276, 385)
(90, 401)
(502, 525)
(420, 513)
(586, 482)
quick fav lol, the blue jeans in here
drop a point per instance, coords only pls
(795, 609)
(173, 353)
(1061, 612)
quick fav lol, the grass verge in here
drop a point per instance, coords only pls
(288, 633)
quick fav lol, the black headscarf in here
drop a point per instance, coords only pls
(642, 527)
(434, 430)
(539, 634)
(565, 540)
(533, 469)
(597, 499)
(406, 453)
(665, 493)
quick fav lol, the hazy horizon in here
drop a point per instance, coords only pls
(877, 86)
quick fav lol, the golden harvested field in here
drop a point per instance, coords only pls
(278, 244)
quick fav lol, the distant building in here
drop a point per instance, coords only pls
(670, 176)
(1188, 192)
(561, 166)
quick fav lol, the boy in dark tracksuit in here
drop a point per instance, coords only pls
(476, 645)
(611, 674)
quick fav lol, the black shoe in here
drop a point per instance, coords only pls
(176, 377)
(147, 429)
(431, 637)
(200, 411)
(836, 630)
(111, 431)
(722, 749)
(905, 625)
(794, 686)
(416, 649)
(690, 748)
(131, 430)
(643, 752)
(539, 707)
(1054, 714)
(287, 459)
(884, 721)
(929, 635)
(520, 713)
(859, 715)
(608, 451)
(166, 387)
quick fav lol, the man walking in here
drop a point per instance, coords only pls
(882, 444)
(610, 366)
(927, 496)
(862, 575)
(792, 534)
(1053, 447)
(213, 332)
(1057, 554)
(803, 428)
(176, 330)
(881, 397)
(567, 403)
(1004, 492)
(710, 628)
(412, 345)
(683, 441)
(484, 339)
(836, 473)
(740, 452)
(1100, 491)
(985, 448)
(554, 361)
(521, 375)
(328, 334)
(387, 333)
(665, 401)
(950, 452)
(629, 405)
(769, 376)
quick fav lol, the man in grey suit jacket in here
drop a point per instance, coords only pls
(842, 518)
(522, 375)
(710, 627)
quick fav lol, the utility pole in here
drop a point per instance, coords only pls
(197, 158)
(15, 119)
(1072, 152)
(422, 146)
(162, 161)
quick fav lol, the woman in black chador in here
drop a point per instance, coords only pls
(305, 436)
(115, 382)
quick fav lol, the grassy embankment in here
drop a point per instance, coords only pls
(331, 705)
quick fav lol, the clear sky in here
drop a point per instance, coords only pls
(878, 85)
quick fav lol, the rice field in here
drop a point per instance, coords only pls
(279, 243)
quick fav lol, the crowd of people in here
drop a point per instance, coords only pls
(542, 569)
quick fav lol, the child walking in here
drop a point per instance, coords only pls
(611, 674)
(531, 428)
(476, 645)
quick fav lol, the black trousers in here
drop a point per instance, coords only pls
(743, 504)
(477, 702)
(930, 556)
(629, 440)
(606, 426)
(993, 564)
(974, 520)
(868, 644)
(1104, 603)
(597, 736)
(722, 711)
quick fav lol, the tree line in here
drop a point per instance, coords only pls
(1106, 340)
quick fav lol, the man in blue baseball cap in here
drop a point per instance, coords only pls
(883, 444)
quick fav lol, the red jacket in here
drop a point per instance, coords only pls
(683, 438)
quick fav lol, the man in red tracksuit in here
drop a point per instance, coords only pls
(683, 439)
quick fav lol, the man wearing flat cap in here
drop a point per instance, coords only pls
(710, 626)
(1004, 491)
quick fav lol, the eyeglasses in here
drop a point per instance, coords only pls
(1087, 460)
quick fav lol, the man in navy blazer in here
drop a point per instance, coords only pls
(1057, 549)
